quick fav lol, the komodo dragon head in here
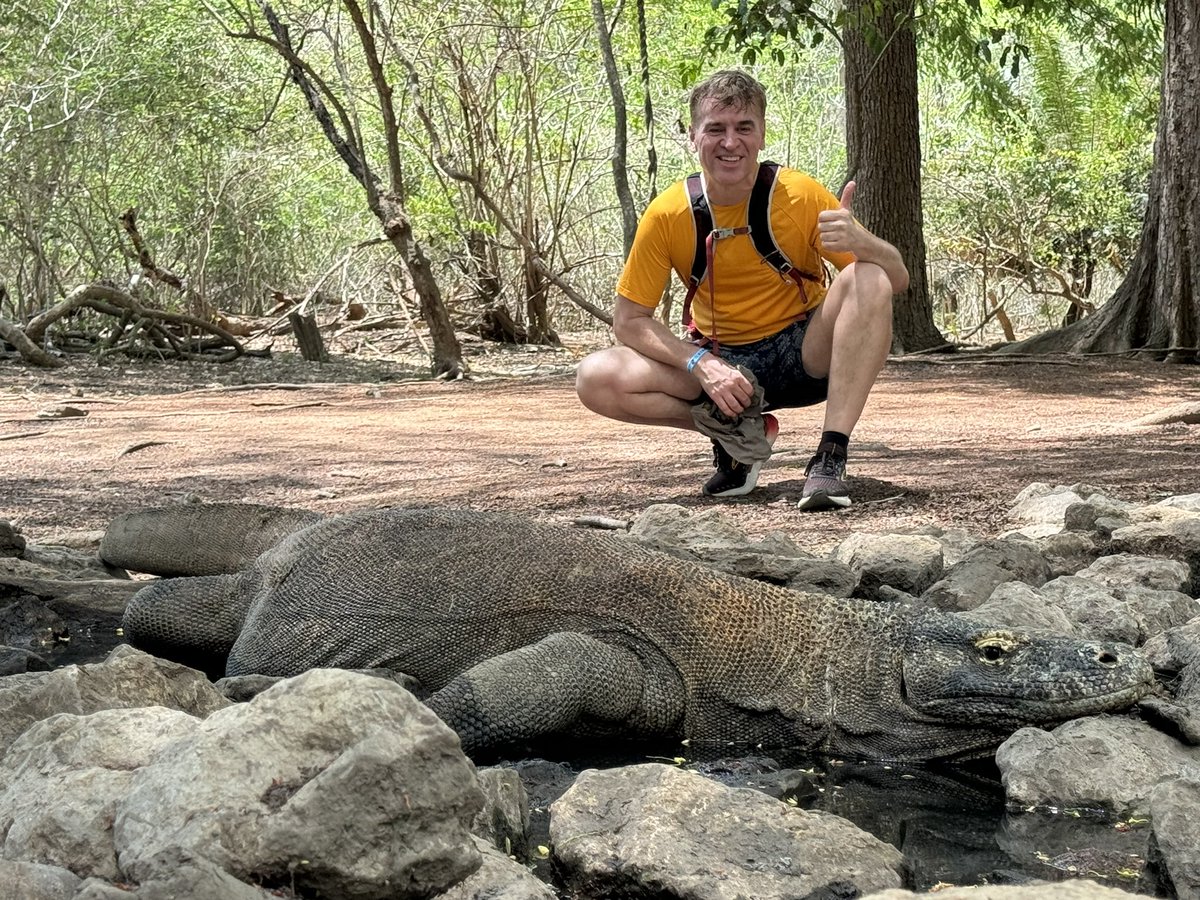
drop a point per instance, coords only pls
(958, 689)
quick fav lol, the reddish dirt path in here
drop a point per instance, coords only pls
(944, 443)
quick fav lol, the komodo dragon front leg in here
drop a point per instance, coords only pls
(564, 681)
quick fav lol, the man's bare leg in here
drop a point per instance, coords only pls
(622, 384)
(847, 341)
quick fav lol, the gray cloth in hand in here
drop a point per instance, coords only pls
(743, 437)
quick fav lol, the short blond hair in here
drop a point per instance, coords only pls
(729, 88)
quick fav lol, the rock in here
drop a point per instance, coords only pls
(656, 828)
(504, 820)
(910, 563)
(63, 777)
(11, 542)
(1128, 570)
(342, 784)
(34, 881)
(984, 568)
(1175, 830)
(1177, 540)
(17, 660)
(1117, 613)
(1066, 890)
(1067, 552)
(708, 538)
(498, 878)
(127, 678)
(1019, 606)
(1100, 762)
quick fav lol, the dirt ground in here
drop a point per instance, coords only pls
(949, 441)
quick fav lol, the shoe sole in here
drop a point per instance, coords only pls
(751, 484)
(821, 500)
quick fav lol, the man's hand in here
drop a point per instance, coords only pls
(727, 387)
(840, 233)
(837, 228)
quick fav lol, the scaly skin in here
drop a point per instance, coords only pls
(523, 630)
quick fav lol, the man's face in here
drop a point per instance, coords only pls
(728, 140)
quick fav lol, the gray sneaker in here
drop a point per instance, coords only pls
(825, 483)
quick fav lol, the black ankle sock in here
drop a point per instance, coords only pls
(835, 441)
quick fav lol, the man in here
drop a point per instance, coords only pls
(803, 342)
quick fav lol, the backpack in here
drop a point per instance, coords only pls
(758, 226)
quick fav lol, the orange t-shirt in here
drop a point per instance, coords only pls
(753, 300)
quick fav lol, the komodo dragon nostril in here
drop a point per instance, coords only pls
(1107, 658)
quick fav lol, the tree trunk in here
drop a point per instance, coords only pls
(883, 145)
(1157, 307)
(447, 352)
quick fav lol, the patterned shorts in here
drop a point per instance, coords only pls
(775, 362)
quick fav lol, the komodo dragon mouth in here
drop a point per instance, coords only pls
(1007, 675)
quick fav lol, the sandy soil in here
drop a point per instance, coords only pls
(948, 442)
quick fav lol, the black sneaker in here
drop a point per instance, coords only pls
(733, 478)
(825, 482)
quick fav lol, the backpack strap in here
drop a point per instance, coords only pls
(758, 217)
(758, 225)
(702, 217)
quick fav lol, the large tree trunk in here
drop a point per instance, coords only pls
(884, 152)
(1157, 307)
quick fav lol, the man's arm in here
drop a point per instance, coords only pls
(840, 232)
(636, 327)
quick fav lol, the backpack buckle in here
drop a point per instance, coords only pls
(722, 233)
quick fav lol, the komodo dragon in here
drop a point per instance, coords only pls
(522, 631)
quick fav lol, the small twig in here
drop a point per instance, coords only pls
(20, 434)
(140, 445)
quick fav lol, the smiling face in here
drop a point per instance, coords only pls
(728, 139)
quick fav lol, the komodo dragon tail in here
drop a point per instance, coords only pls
(200, 539)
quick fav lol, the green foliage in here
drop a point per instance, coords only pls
(1033, 131)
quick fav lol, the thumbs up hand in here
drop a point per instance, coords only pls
(838, 230)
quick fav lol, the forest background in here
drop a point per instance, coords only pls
(479, 167)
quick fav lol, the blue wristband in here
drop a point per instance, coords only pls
(696, 357)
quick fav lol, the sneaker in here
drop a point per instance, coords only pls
(733, 478)
(825, 482)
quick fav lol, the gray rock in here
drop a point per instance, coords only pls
(1097, 514)
(1100, 762)
(1175, 648)
(1068, 551)
(62, 779)
(708, 538)
(504, 820)
(1175, 830)
(498, 878)
(983, 569)
(1017, 605)
(910, 563)
(11, 542)
(243, 688)
(17, 661)
(344, 784)
(1065, 890)
(655, 830)
(1128, 570)
(126, 679)
(34, 881)
(1176, 539)
(1118, 613)
(1044, 504)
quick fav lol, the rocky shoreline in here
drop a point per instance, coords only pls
(130, 776)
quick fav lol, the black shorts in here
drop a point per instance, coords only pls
(775, 362)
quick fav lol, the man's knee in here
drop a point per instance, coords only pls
(593, 379)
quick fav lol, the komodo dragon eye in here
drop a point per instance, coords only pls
(993, 648)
